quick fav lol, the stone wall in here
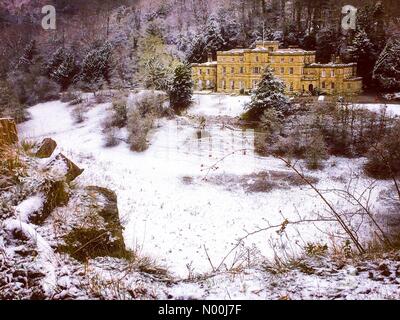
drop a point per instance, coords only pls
(8, 131)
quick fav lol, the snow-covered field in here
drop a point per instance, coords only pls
(170, 212)
(393, 109)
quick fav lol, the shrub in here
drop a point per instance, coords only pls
(31, 89)
(139, 127)
(102, 98)
(70, 96)
(149, 103)
(9, 104)
(119, 112)
(79, 112)
(110, 137)
(384, 157)
(316, 151)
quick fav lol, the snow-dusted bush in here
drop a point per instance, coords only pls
(110, 137)
(80, 110)
(9, 104)
(70, 96)
(316, 151)
(384, 157)
(139, 127)
(119, 112)
(31, 89)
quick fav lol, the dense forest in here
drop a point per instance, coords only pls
(126, 42)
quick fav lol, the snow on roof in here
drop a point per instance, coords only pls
(353, 79)
(331, 65)
(292, 51)
(205, 64)
(235, 51)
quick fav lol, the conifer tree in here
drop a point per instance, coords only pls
(181, 88)
(62, 68)
(28, 56)
(269, 94)
(96, 67)
(387, 68)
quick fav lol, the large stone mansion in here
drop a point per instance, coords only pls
(240, 70)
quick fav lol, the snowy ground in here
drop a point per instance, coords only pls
(393, 109)
(170, 212)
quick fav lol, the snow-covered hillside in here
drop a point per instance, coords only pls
(171, 212)
(200, 187)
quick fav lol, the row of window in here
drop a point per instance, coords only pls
(257, 59)
(208, 72)
(258, 70)
(242, 85)
(209, 85)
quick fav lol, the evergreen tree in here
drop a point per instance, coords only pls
(362, 51)
(326, 45)
(156, 76)
(96, 67)
(155, 62)
(387, 68)
(269, 94)
(214, 39)
(197, 49)
(181, 88)
(28, 56)
(62, 68)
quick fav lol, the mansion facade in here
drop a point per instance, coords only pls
(240, 70)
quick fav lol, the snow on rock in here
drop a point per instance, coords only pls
(46, 258)
(29, 206)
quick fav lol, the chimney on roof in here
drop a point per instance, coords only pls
(210, 57)
(333, 58)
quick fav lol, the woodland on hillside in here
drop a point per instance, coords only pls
(130, 44)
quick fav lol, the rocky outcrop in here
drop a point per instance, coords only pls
(55, 190)
(46, 148)
(76, 225)
(56, 195)
(70, 169)
(8, 132)
(96, 231)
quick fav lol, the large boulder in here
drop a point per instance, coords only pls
(96, 230)
(66, 167)
(46, 148)
(56, 195)
(8, 132)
